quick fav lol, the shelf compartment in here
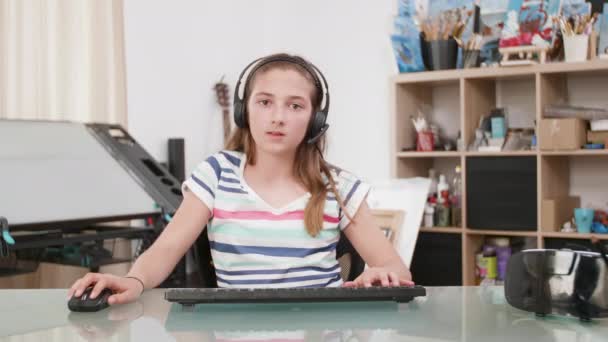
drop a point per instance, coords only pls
(582, 176)
(584, 88)
(440, 105)
(473, 243)
(481, 95)
(438, 259)
(501, 193)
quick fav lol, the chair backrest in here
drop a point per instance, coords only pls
(350, 261)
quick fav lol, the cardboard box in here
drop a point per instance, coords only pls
(557, 211)
(597, 137)
(562, 134)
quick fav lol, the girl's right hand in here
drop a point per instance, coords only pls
(125, 289)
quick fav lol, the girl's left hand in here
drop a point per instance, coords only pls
(378, 276)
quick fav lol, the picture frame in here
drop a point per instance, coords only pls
(390, 222)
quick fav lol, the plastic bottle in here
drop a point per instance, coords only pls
(442, 215)
(429, 212)
(457, 199)
(489, 255)
(481, 268)
(433, 187)
(503, 253)
(442, 209)
(459, 142)
(442, 189)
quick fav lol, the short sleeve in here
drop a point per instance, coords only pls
(204, 180)
(352, 191)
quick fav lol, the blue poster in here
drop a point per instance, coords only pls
(603, 46)
(406, 49)
(435, 7)
(405, 40)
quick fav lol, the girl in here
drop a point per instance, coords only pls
(273, 206)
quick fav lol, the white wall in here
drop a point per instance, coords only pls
(176, 50)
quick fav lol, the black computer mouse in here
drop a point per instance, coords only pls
(86, 304)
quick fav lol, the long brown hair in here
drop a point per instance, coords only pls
(309, 165)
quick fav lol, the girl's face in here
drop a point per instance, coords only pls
(279, 110)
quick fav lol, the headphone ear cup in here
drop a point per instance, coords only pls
(239, 114)
(318, 122)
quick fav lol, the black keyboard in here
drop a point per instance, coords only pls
(190, 296)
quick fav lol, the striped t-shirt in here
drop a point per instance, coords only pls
(254, 245)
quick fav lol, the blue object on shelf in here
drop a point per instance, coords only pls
(498, 127)
(599, 228)
(594, 146)
(5, 234)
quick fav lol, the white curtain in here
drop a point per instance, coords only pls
(62, 60)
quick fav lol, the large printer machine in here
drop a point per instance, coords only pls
(66, 187)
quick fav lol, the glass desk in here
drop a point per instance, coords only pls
(445, 314)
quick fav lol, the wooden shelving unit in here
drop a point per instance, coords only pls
(475, 90)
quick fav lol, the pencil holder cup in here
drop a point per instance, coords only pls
(440, 54)
(425, 141)
(471, 59)
(583, 217)
(575, 47)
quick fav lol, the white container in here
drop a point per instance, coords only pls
(599, 125)
(429, 214)
(575, 47)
